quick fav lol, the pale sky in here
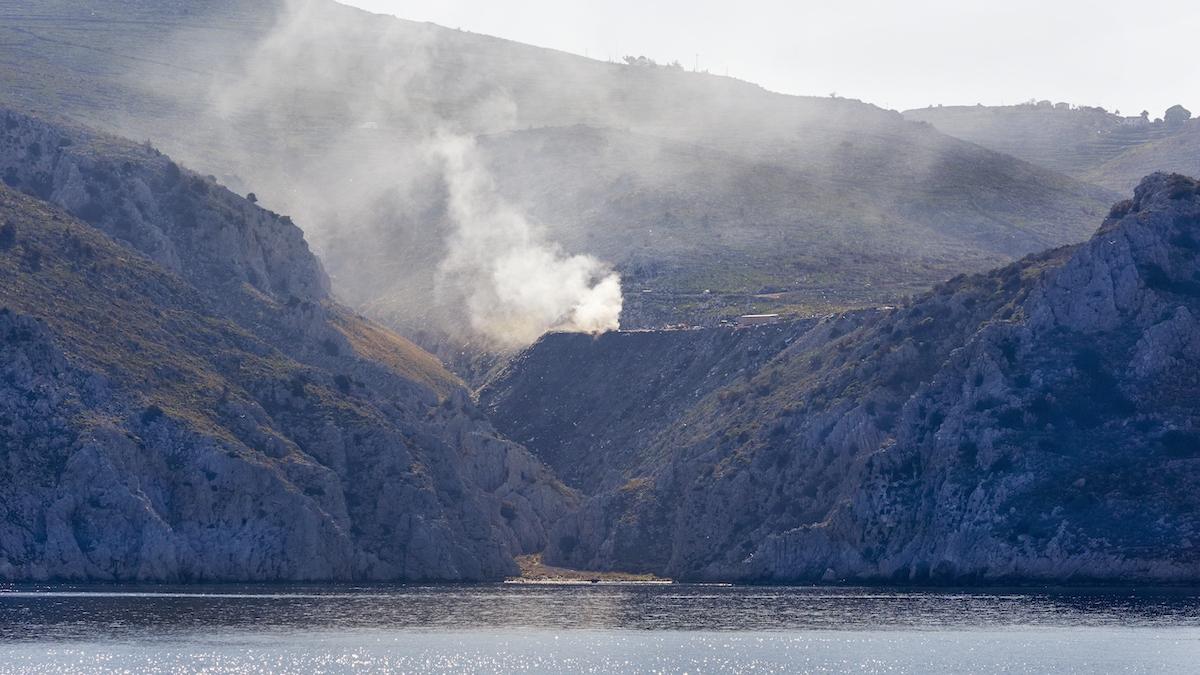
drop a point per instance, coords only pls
(1130, 55)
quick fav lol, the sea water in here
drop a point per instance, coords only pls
(672, 628)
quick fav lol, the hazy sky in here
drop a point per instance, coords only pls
(1125, 55)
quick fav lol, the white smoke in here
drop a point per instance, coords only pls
(517, 286)
(388, 184)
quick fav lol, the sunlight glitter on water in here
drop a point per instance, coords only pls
(1021, 651)
(615, 629)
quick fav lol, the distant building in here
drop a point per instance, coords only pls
(756, 319)
(1135, 122)
(1062, 106)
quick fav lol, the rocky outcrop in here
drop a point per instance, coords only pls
(181, 400)
(1040, 422)
(185, 222)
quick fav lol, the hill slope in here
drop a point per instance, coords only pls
(685, 182)
(182, 401)
(1087, 143)
(1178, 151)
(1036, 422)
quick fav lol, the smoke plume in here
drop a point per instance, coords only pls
(517, 285)
(342, 121)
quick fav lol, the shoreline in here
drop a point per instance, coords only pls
(535, 572)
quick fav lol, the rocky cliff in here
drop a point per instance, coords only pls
(1039, 422)
(182, 401)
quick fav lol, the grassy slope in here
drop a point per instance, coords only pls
(195, 216)
(117, 311)
(148, 332)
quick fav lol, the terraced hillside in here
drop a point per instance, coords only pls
(1087, 143)
(1178, 151)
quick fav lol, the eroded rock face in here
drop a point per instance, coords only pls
(185, 222)
(1038, 422)
(182, 401)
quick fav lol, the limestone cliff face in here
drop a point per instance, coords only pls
(181, 400)
(1041, 422)
(185, 222)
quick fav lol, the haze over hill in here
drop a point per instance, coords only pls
(713, 195)
(1091, 144)
(894, 54)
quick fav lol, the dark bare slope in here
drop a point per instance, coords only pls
(180, 399)
(586, 405)
(1041, 421)
(686, 182)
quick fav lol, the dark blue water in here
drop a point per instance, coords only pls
(604, 628)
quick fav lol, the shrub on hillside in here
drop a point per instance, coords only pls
(1177, 115)
(8, 236)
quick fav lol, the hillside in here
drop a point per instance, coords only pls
(1087, 143)
(888, 217)
(181, 400)
(1037, 422)
(642, 382)
(1178, 152)
(714, 195)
